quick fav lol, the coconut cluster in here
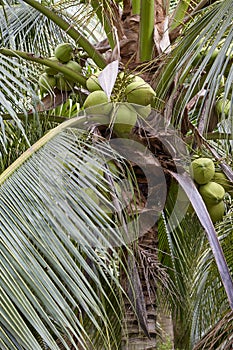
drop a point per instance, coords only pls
(51, 78)
(133, 89)
(212, 186)
(128, 89)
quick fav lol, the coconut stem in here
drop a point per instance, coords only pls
(47, 62)
(136, 7)
(146, 41)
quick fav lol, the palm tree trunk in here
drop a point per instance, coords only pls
(139, 328)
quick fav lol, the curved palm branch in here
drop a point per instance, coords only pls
(60, 248)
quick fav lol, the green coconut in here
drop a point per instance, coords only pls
(103, 109)
(202, 170)
(124, 76)
(92, 83)
(216, 211)
(63, 52)
(221, 86)
(75, 66)
(124, 119)
(46, 83)
(203, 53)
(198, 54)
(140, 92)
(137, 78)
(63, 84)
(51, 70)
(212, 193)
(221, 179)
(95, 98)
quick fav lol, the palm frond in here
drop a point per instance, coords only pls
(17, 95)
(180, 246)
(210, 300)
(23, 30)
(219, 337)
(83, 16)
(59, 259)
(193, 65)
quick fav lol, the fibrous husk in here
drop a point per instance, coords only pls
(202, 170)
(212, 193)
(216, 211)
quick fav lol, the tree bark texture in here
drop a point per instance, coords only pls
(139, 325)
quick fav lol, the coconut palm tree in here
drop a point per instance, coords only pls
(90, 259)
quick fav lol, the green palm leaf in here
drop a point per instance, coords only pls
(14, 84)
(210, 299)
(59, 262)
(193, 67)
(24, 30)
